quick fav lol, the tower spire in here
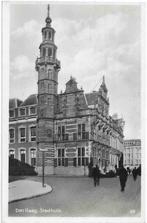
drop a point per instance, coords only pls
(48, 10)
(48, 19)
(103, 79)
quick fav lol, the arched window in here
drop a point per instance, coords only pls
(33, 156)
(49, 51)
(12, 153)
(44, 52)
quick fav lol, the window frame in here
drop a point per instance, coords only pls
(34, 106)
(30, 137)
(19, 135)
(20, 113)
(24, 152)
(61, 158)
(11, 149)
(35, 157)
(9, 135)
(13, 113)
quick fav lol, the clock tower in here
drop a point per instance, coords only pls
(47, 67)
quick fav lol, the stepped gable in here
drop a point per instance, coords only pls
(31, 100)
(14, 103)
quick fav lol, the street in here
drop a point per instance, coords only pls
(77, 197)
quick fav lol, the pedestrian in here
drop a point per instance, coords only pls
(139, 170)
(90, 165)
(134, 173)
(96, 175)
(122, 177)
(128, 171)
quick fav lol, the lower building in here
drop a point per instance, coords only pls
(132, 153)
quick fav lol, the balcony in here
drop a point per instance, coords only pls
(49, 60)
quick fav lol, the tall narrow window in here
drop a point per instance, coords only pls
(49, 35)
(45, 35)
(82, 160)
(49, 52)
(63, 132)
(59, 132)
(79, 130)
(22, 134)
(11, 113)
(33, 157)
(11, 135)
(22, 155)
(33, 133)
(61, 157)
(44, 52)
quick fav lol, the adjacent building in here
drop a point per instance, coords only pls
(132, 153)
(73, 128)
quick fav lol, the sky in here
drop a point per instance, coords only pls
(93, 40)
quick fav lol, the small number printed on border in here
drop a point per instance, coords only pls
(132, 211)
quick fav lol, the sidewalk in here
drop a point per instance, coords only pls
(25, 189)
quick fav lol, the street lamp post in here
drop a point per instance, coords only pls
(43, 165)
(43, 169)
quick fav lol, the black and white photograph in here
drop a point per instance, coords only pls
(74, 138)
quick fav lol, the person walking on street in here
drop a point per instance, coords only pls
(122, 177)
(134, 173)
(96, 175)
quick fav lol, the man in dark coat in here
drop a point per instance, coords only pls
(122, 177)
(134, 173)
(96, 175)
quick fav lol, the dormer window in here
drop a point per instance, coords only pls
(22, 112)
(32, 110)
(11, 113)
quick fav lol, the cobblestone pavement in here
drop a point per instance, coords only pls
(77, 196)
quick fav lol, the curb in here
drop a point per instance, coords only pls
(30, 197)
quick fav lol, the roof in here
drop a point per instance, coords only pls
(31, 100)
(14, 103)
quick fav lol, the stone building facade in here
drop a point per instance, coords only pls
(132, 153)
(73, 128)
